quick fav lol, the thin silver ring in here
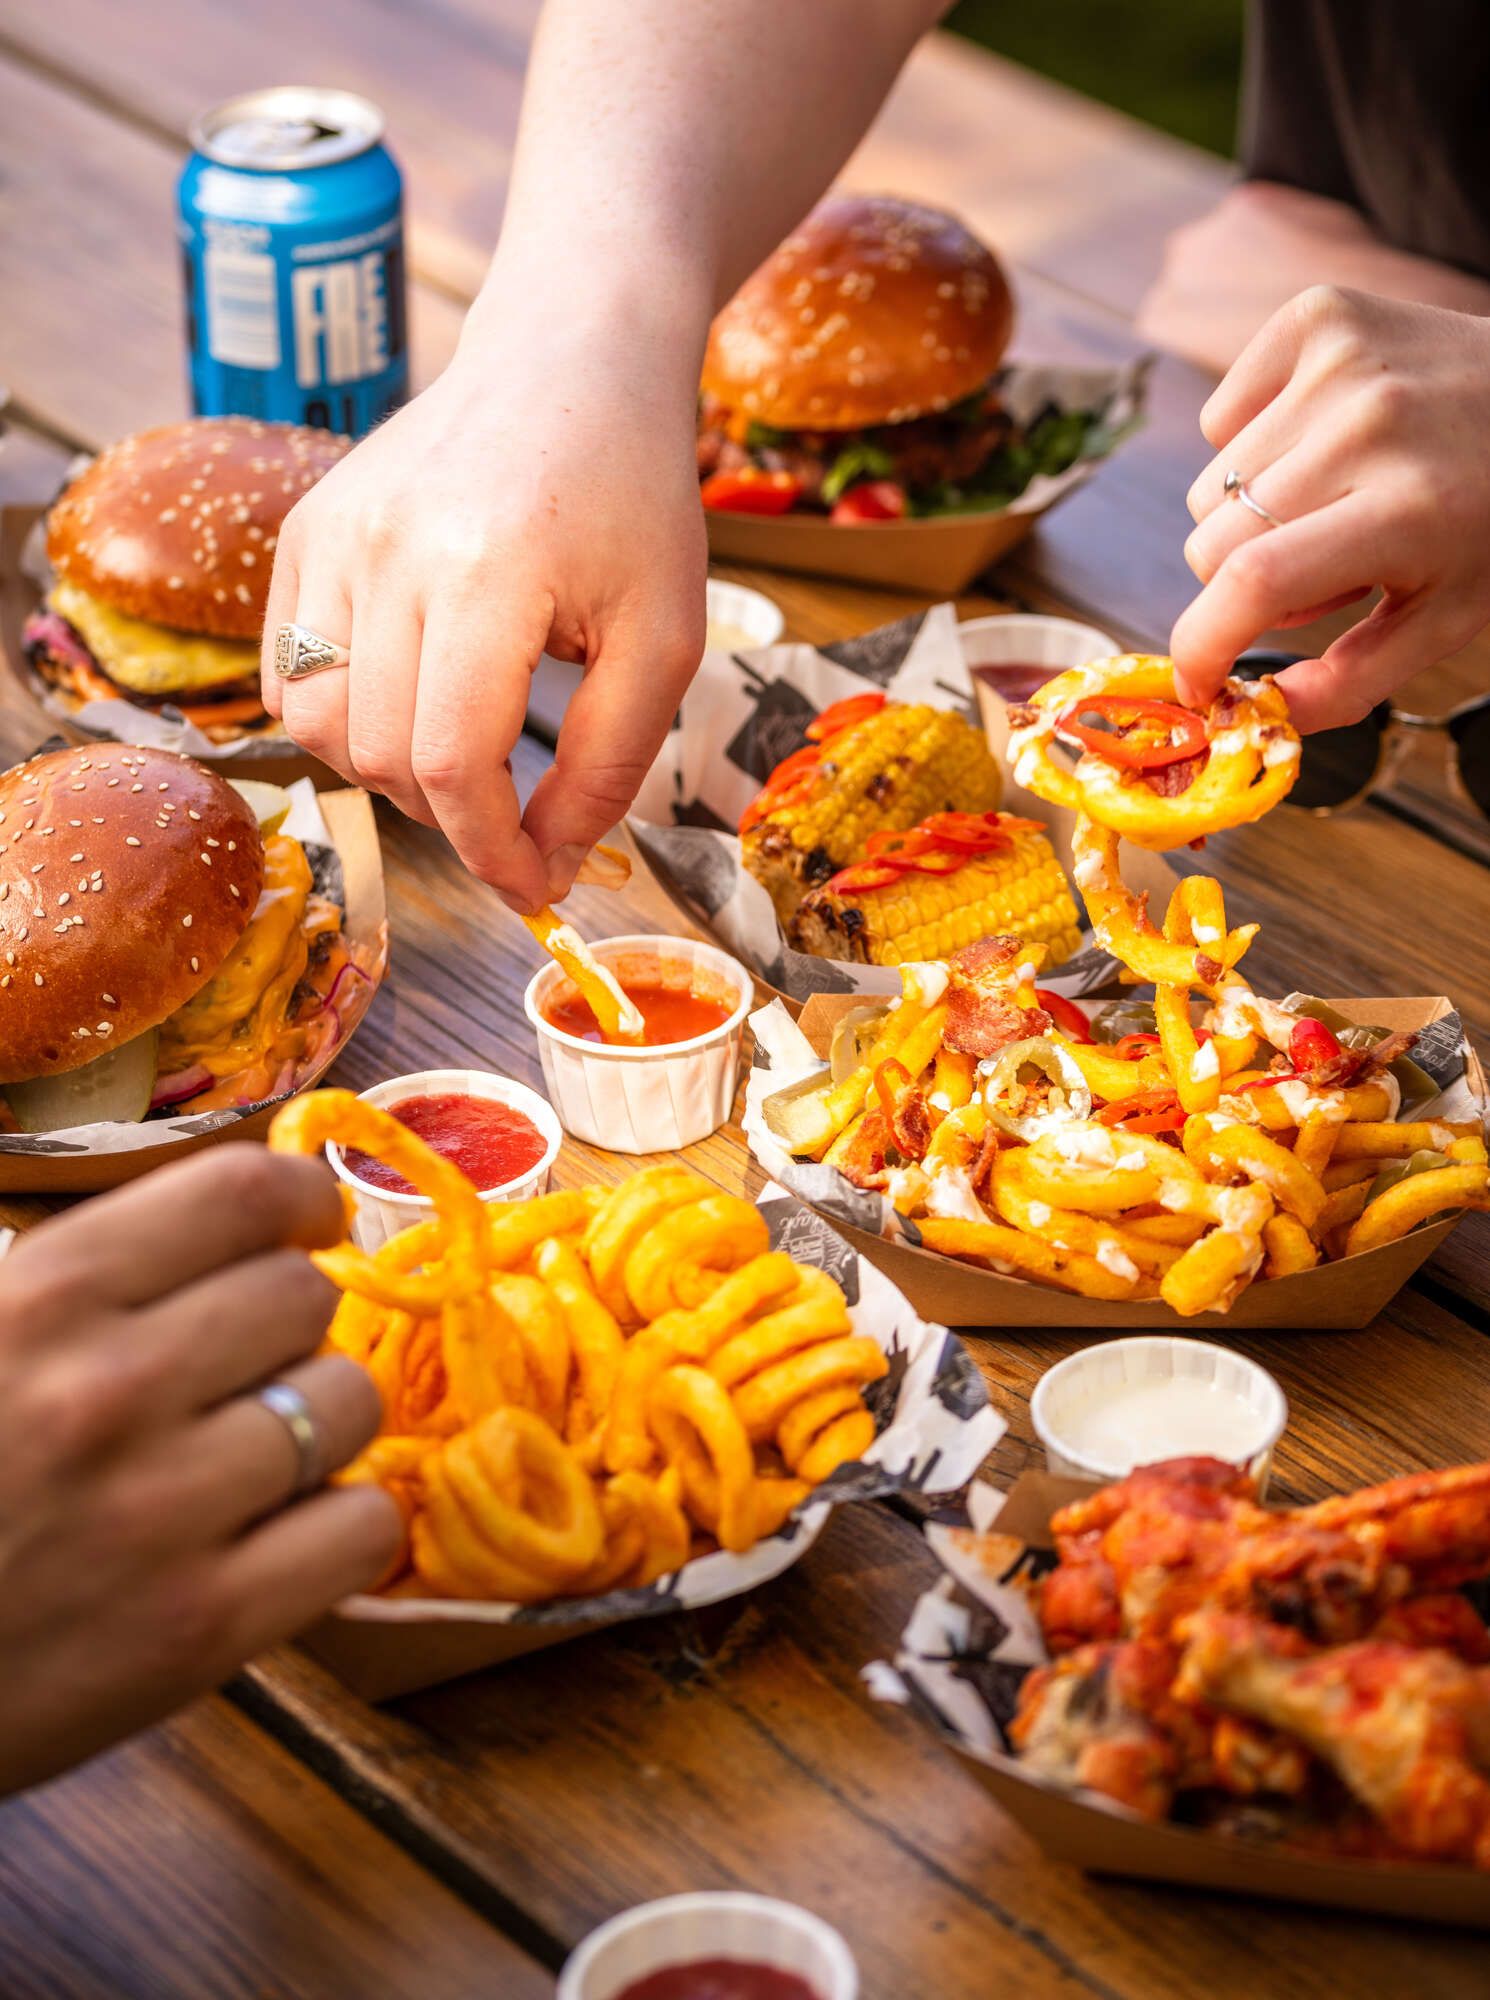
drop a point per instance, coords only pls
(299, 652)
(1236, 489)
(285, 1401)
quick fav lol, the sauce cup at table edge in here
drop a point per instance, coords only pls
(383, 1213)
(681, 1930)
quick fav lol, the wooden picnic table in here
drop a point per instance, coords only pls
(285, 1839)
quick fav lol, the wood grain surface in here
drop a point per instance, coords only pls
(736, 1746)
(203, 1862)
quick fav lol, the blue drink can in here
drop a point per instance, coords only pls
(291, 226)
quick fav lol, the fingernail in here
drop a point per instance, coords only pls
(563, 866)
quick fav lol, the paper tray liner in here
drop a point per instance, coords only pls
(1331, 1297)
(349, 819)
(1107, 1841)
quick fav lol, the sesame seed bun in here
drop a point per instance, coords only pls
(874, 311)
(178, 525)
(126, 878)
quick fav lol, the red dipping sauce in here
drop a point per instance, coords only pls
(1016, 680)
(491, 1143)
(720, 1979)
(670, 1014)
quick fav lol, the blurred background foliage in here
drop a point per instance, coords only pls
(1174, 63)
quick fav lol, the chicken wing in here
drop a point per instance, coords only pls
(1406, 1730)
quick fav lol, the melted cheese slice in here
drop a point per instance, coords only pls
(152, 659)
(244, 1002)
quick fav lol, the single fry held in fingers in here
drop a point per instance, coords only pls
(617, 1013)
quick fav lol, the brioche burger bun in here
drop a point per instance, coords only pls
(161, 551)
(861, 349)
(157, 945)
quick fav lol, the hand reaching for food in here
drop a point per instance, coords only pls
(154, 1531)
(1353, 424)
(462, 539)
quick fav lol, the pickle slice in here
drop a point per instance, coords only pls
(114, 1089)
(1395, 1171)
(270, 804)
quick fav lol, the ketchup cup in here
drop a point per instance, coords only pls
(382, 1213)
(754, 1931)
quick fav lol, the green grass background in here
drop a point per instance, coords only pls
(1175, 63)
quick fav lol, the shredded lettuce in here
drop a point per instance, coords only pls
(856, 462)
(1052, 444)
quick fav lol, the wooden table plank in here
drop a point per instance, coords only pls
(201, 1861)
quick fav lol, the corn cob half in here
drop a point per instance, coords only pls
(1016, 890)
(886, 772)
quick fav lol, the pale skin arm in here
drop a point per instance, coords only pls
(543, 492)
(1226, 273)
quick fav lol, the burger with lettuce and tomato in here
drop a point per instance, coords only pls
(855, 374)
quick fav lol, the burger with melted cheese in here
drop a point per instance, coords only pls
(856, 374)
(160, 949)
(161, 552)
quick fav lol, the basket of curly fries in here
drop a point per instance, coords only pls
(609, 1402)
(1161, 1677)
(1010, 1156)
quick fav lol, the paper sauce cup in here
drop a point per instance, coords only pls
(681, 1930)
(1028, 639)
(381, 1213)
(1127, 1365)
(644, 1100)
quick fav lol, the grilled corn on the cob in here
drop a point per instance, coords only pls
(885, 772)
(1017, 890)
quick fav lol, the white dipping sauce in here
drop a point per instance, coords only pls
(1169, 1416)
(721, 637)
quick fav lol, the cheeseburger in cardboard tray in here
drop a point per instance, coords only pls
(157, 564)
(176, 951)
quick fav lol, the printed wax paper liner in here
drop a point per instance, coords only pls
(934, 1427)
(743, 713)
(784, 1057)
(972, 1638)
(306, 822)
(163, 728)
(1031, 390)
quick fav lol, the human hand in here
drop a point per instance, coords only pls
(150, 1540)
(543, 493)
(1359, 423)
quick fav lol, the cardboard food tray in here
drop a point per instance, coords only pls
(934, 1428)
(1103, 1839)
(55, 1163)
(1330, 1297)
(944, 553)
(941, 556)
(274, 757)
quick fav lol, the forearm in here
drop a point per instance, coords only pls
(666, 146)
